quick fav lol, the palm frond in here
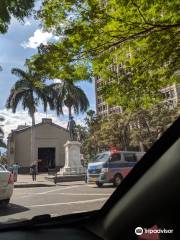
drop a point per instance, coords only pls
(19, 73)
(71, 96)
(2, 144)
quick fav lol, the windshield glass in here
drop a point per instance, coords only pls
(2, 168)
(80, 81)
(102, 157)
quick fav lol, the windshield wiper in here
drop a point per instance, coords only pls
(47, 220)
(35, 220)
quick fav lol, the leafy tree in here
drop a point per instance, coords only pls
(29, 90)
(49, 64)
(148, 125)
(71, 96)
(91, 119)
(133, 45)
(90, 146)
(18, 9)
(136, 130)
(2, 144)
(81, 132)
(56, 61)
(14, 8)
(4, 159)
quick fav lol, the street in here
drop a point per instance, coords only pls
(59, 199)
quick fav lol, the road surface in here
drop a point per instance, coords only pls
(56, 200)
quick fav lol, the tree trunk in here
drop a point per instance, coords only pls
(33, 119)
(141, 146)
(70, 113)
(32, 137)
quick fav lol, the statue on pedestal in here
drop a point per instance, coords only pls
(71, 127)
(72, 151)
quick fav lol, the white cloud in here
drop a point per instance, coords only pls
(27, 23)
(12, 120)
(56, 80)
(39, 37)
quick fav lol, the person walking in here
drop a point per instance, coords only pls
(33, 171)
(15, 169)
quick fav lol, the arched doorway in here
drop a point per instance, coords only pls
(46, 159)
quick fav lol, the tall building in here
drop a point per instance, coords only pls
(171, 94)
(102, 108)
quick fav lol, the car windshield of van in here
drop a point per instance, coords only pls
(102, 157)
(79, 82)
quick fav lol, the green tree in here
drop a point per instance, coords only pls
(4, 159)
(2, 144)
(136, 130)
(29, 90)
(56, 61)
(90, 145)
(133, 43)
(71, 96)
(14, 8)
(148, 125)
(18, 9)
(90, 118)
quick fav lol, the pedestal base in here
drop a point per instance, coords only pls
(72, 164)
(72, 171)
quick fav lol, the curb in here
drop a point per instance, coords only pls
(66, 178)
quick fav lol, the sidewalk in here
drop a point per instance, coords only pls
(25, 181)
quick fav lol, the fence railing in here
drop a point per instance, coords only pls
(67, 171)
(72, 171)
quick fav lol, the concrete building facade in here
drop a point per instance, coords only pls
(171, 97)
(43, 143)
(102, 108)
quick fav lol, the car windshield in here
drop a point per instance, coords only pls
(102, 157)
(81, 81)
(2, 168)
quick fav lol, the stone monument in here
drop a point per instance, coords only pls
(72, 152)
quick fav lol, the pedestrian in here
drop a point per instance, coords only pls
(15, 169)
(33, 171)
(10, 168)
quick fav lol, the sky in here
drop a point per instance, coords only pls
(18, 44)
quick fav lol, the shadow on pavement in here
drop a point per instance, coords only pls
(64, 184)
(104, 186)
(32, 185)
(11, 209)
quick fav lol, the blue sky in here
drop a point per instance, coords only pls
(18, 44)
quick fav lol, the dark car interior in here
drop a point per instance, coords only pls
(148, 196)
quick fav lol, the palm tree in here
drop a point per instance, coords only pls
(29, 90)
(2, 144)
(71, 96)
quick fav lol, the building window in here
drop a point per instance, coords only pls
(100, 109)
(99, 100)
(104, 107)
(178, 91)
